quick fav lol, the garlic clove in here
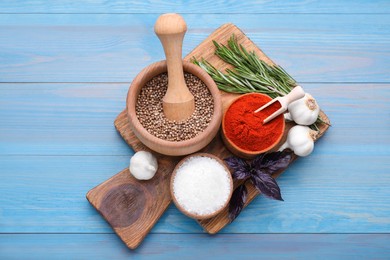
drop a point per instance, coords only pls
(151, 168)
(304, 111)
(300, 140)
(310, 102)
(143, 165)
(304, 149)
(288, 117)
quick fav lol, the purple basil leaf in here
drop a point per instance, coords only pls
(241, 175)
(237, 201)
(257, 163)
(237, 164)
(272, 162)
(266, 185)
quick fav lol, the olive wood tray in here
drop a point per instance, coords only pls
(133, 207)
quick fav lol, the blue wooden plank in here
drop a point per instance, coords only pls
(326, 192)
(190, 246)
(67, 119)
(342, 187)
(191, 6)
(77, 119)
(114, 48)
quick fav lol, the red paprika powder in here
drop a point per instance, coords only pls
(245, 128)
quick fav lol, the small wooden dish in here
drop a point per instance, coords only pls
(242, 152)
(192, 215)
(164, 146)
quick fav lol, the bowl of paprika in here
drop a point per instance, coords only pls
(243, 131)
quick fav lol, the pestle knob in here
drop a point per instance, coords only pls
(178, 102)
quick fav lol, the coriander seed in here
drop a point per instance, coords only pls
(149, 109)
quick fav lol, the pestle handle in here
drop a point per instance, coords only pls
(170, 29)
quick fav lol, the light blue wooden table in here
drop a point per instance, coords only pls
(65, 68)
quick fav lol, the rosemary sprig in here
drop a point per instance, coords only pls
(249, 73)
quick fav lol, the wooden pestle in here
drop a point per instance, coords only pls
(178, 102)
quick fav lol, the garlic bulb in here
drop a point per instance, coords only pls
(143, 165)
(300, 139)
(303, 111)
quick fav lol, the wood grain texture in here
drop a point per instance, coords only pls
(216, 147)
(114, 48)
(190, 6)
(178, 102)
(48, 119)
(43, 119)
(355, 198)
(177, 246)
(205, 50)
(343, 187)
(163, 146)
(130, 206)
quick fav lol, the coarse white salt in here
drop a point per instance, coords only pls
(201, 185)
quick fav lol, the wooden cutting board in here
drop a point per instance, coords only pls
(132, 207)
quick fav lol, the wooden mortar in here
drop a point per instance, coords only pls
(169, 147)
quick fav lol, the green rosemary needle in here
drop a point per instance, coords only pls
(249, 73)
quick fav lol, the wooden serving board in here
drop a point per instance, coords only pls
(132, 207)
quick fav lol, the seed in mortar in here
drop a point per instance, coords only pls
(201, 185)
(149, 109)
